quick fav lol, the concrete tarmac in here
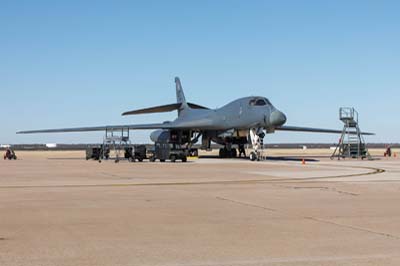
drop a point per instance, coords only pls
(58, 209)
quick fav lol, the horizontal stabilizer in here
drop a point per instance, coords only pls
(156, 109)
(163, 109)
(196, 106)
(318, 130)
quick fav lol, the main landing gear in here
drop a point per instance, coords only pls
(227, 153)
(257, 140)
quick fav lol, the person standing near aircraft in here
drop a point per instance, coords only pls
(242, 150)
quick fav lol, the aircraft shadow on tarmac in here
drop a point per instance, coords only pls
(268, 158)
(105, 160)
(289, 159)
(65, 158)
(294, 159)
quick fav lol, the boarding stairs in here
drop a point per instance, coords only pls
(351, 143)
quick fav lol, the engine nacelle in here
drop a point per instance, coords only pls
(160, 136)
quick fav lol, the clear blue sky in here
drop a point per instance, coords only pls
(82, 63)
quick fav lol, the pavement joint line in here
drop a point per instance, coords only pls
(251, 181)
(272, 261)
(313, 219)
(344, 181)
(353, 227)
(246, 204)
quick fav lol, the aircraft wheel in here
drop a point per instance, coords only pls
(253, 156)
(162, 160)
(222, 153)
(234, 153)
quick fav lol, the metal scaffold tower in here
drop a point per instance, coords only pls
(351, 143)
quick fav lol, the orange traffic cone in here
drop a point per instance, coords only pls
(303, 161)
(394, 155)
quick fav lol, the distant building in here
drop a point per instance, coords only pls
(51, 145)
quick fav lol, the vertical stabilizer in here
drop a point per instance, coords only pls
(180, 96)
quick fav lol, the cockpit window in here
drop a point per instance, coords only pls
(259, 102)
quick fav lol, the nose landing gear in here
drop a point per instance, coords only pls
(257, 140)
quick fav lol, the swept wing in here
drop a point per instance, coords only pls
(316, 130)
(166, 125)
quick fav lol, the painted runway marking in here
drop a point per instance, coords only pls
(372, 171)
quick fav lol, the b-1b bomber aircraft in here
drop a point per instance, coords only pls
(242, 121)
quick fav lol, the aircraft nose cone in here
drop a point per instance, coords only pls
(277, 118)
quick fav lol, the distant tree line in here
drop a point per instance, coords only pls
(69, 147)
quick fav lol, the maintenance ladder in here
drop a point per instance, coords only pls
(351, 143)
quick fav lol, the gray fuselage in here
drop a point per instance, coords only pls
(243, 113)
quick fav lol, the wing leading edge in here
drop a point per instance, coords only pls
(317, 130)
(166, 125)
(171, 125)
